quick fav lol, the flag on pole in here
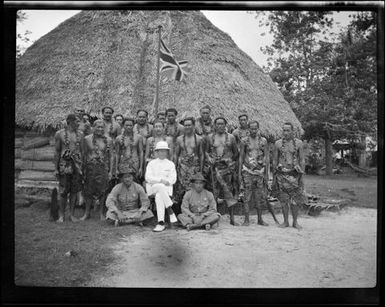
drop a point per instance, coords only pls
(170, 66)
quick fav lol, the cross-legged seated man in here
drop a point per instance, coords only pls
(199, 208)
(160, 177)
(128, 202)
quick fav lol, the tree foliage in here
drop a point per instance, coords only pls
(329, 79)
(21, 37)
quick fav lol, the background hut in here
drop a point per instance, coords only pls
(99, 58)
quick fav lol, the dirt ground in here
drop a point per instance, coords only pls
(334, 249)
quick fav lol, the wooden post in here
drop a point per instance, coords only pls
(157, 74)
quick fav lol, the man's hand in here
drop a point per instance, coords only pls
(140, 173)
(165, 182)
(121, 216)
(109, 175)
(298, 169)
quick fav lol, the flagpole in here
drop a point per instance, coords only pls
(157, 74)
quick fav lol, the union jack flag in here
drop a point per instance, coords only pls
(170, 66)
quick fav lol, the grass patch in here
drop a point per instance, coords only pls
(40, 248)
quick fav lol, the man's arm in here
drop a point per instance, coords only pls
(241, 158)
(201, 153)
(112, 199)
(170, 142)
(275, 156)
(111, 154)
(172, 176)
(212, 205)
(177, 151)
(144, 201)
(266, 158)
(185, 207)
(117, 152)
(140, 153)
(57, 150)
(301, 156)
(151, 174)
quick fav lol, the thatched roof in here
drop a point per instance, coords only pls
(99, 58)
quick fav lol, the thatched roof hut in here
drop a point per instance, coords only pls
(99, 58)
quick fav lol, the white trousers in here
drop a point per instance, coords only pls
(162, 198)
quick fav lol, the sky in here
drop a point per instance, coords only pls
(242, 27)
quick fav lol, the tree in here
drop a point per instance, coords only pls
(327, 78)
(21, 37)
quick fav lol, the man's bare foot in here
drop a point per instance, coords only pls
(246, 223)
(283, 225)
(74, 219)
(263, 223)
(220, 201)
(85, 217)
(192, 226)
(232, 222)
(296, 225)
(60, 220)
(207, 226)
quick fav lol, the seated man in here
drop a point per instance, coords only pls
(128, 203)
(199, 208)
(160, 176)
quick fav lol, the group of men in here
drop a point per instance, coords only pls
(188, 167)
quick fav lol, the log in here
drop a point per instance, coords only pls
(39, 154)
(37, 184)
(45, 166)
(19, 142)
(31, 197)
(35, 142)
(17, 153)
(18, 163)
(36, 175)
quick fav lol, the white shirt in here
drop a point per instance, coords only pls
(160, 169)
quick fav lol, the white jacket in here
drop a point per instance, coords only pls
(160, 169)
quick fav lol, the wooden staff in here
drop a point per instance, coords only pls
(157, 74)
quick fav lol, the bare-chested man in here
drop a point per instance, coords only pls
(289, 166)
(129, 150)
(221, 157)
(98, 167)
(204, 124)
(172, 128)
(253, 158)
(153, 140)
(243, 130)
(162, 116)
(112, 129)
(142, 126)
(84, 125)
(188, 157)
(119, 118)
(69, 145)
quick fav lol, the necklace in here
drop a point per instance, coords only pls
(97, 149)
(67, 142)
(130, 142)
(195, 143)
(147, 130)
(212, 145)
(285, 149)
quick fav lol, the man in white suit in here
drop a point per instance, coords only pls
(160, 177)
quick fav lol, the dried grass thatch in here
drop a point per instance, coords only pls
(99, 58)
